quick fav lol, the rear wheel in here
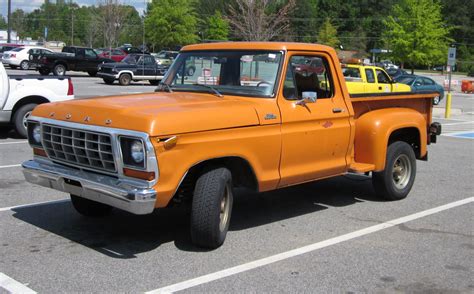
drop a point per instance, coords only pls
(396, 180)
(108, 81)
(211, 208)
(24, 65)
(59, 70)
(20, 118)
(92, 73)
(88, 207)
(125, 79)
(190, 71)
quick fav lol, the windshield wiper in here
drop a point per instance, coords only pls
(218, 94)
(164, 86)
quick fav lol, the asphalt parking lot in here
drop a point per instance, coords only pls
(329, 236)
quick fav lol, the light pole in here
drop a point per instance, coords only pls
(9, 29)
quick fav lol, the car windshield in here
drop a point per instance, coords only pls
(130, 59)
(243, 73)
(405, 80)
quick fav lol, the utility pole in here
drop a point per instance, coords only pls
(9, 29)
(72, 27)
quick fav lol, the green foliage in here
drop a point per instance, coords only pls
(327, 34)
(218, 27)
(171, 23)
(3, 23)
(416, 33)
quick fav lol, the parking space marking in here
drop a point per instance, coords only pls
(11, 165)
(461, 135)
(15, 142)
(305, 249)
(33, 204)
(13, 286)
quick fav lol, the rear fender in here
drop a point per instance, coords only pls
(373, 130)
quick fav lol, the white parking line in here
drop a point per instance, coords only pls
(16, 142)
(11, 165)
(303, 250)
(459, 123)
(13, 286)
(33, 204)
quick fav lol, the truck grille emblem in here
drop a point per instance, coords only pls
(87, 118)
(68, 116)
(51, 114)
(108, 121)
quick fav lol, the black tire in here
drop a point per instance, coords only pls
(88, 207)
(108, 81)
(59, 70)
(211, 208)
(92, 73)
(396, 180)
(20, 116)
(125, 79)
(190, 71)
(44, 72)
(154, 82)
(25, 65)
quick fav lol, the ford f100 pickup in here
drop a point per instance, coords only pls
(249, 117)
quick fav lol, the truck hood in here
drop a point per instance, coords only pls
(158, 114)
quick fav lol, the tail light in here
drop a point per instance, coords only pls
(70, 89)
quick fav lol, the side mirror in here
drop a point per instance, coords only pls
(308, 97)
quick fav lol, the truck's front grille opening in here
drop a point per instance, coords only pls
(79, 147)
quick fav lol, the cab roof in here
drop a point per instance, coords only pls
(273, 46)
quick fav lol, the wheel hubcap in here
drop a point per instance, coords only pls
(60, 70)
(25, 119)
(224, 210)
(401, 171)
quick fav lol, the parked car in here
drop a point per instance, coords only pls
(134, 67)
(166, 57)
(193, 143)
(370, 79)
(8, 47)
(19, 95)
(422, 84)
(116, 54)
(396, 72)
(20, 56)
(71, 58)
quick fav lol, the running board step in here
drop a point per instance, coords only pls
(358, 167)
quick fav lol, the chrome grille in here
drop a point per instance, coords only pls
(79, 147)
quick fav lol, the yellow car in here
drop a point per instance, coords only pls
(370, 79)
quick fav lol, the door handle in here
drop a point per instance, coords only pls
(337, 110)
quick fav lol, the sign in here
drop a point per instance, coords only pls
(451, 56)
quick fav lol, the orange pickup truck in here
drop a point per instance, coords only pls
(247, 117)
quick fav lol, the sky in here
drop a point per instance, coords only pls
(29, 5)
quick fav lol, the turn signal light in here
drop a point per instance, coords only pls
(39, 152)
(144, 175)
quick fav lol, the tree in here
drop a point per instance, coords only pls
(416, 33)
(327, 35)
(254, 20)
(218, 27)
(18, 22)
(3, 23)
(113, 17)
(171, 23)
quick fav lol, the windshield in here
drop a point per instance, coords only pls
(405, 80)
(243, 73)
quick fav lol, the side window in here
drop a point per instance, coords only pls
(90, 53)
(382, 77)
(369, 73)
(149, 60)
(117, 52)
(80, 52)
(427, 82)
(307, 74)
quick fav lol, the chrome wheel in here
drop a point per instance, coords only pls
(401, 171)
(25, 119)
(24, 65)
(225, 208)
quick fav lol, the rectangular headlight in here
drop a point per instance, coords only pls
(133, 152)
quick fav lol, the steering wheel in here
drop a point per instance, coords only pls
(264, 84)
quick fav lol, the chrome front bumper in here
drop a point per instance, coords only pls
(101, 188)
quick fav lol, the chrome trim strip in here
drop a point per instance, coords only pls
(151, 160)
(100, 188)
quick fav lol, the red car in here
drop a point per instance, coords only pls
(116, 54)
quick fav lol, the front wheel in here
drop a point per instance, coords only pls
(59, 70)
(396, 180)
(211, 208)
(20, 118)
(88, 207)
(125, 79)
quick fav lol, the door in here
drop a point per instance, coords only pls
(90, 60)
(146, 68)
(383, 80)
(315, 135)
